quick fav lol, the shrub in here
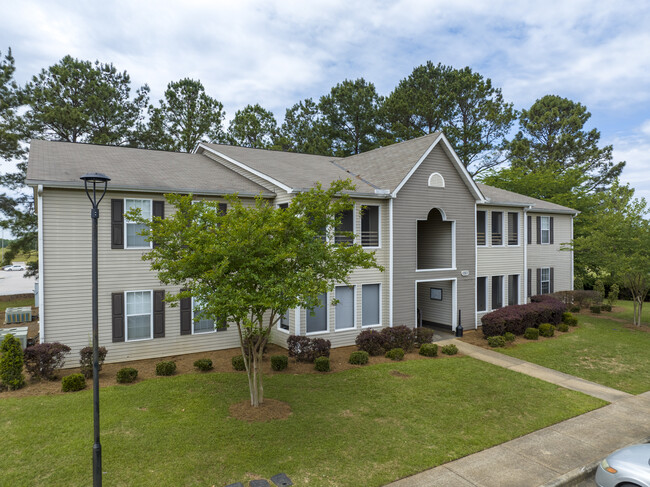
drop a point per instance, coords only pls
(450, 349)
(595, 308)
(423, 335)
(531, 334)
(510, 337)
(399, 337)
(127, 375)
(606, 307)
(612, 297)
(11, 363)
(563, 327)
(395, 354)
(370, 341)
(86, 360)
(306, 349)
(569, 319)
(546, 330)
(203, 364)
(73, 383)
(322, 364)
(574, 309)
(165, 368)
(584, 298)
(429, 349)
(516, 318)
(279, 362)
(599, 287)
(359, 358)
(497, 341)
(238, 362)
(43, 359)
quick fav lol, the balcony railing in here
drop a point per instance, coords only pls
(480, 238)
(497, 238)
(513, 238)
(370, 239)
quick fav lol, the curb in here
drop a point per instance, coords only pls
(579, 474)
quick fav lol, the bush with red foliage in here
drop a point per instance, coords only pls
(42, 360)
(306, 349)
(400, 336)
(515, 319)
(371, 341)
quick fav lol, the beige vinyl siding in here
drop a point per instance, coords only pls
(501, 260)
(551, 255)
(67, 282)
(439, 312)
(413, 203)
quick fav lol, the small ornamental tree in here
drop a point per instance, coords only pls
(250, 265)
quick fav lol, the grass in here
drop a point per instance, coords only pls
(627, 311)
(601, 350)
(15, 303)
(176, 431)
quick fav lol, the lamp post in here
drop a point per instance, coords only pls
(95, 178)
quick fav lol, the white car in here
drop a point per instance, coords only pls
(628, 467)
(15, 268)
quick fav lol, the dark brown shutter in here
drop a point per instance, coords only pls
(186, 316)
(552, 286)
(550, 225)
(158, 314)
(117, 224)
(539, 280)
(223, 208)
(117, 300)
(530, 229)
(538, 220)
(158, 209)
(530, 282)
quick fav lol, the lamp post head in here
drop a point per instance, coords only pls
(95, 177)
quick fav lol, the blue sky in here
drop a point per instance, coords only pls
(279, 52)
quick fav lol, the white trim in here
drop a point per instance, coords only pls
(126, 316)
(296, 324)
(436, 270)
(542, 281)
(41, 294)
(214, 329)
(572, 265)
(126, 222)
(390, 259)
(442, 180)
(541, 230)
(381, 300)
(507, 228)
(453, 242)
(327, 318)
(454, 298)
(485, 221)
(354, 309)
(247, 168)
(354, 227)
(525, 245)
(476, 265)
(378, 226)
(288, 330)
(503, 236)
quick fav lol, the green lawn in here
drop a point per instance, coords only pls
(359, 427)
(601, 350)
(628, 310)
(15, 303)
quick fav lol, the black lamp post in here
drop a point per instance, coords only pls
(95, 178)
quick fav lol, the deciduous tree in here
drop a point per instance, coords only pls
(253, 126)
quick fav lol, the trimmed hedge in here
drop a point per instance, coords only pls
(359, 358)
(595, 309)
(563, 327)
(279, 362)
(429, 349)
(238, 362)
(546, 330)
(43, 359)
(322, 364)
(450, 349)
(203, 364)
(606, 307)
(306, 349)
(370, 341)
(11, 363)
(423, 335)
(497, 341)
(86, 360)
(127, 375)
(510, 337)
(399, 337)
(516, 318)
(569, 319)
(165, 368)
(531, 334)
(73, 383)
(395, 354)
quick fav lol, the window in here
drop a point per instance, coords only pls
(133, 240)
(139, 311)
(346, 224)
(436, 180)
(344, 316)
(513, 289)
(370, 226)
(283, 206)
(513, 228)
(317, 317)
(200, 324)
(284, 322)
(497, 228)
(481, 294)
(545, 229)
(545, 280)
(370, 305)
(481, 228)
(497, 292)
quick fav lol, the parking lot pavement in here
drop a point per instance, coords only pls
(13, 282)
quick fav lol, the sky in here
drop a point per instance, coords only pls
(278, 52)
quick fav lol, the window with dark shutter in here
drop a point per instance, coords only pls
(539, 230)
(186, 316)
(529, 229)
(552, 280)
(550, 224)
(539, 281)
(159, 314)
(158, 209)
(117, 224)
(529, 290)
(117, 303)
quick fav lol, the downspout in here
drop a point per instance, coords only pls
(476, 269)
(390, 264)
(525, 244)
(41, 294)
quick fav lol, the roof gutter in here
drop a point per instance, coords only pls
(378, 194)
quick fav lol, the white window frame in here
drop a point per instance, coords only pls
(194, 308)
(126, 316)
(436, 180)
(517, 229)
(546, 219)
(354, 227)
(542, 280)
(378, 246)
(354, 309)
(485, 228)
(503, 226)
(288, 317)
(327, 318)
(381, 318)
(127, 223)
(486, 294)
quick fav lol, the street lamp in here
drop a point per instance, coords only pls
(95, 178)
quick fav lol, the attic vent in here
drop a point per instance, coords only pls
(436, 181)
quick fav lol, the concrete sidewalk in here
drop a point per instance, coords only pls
(559, 455)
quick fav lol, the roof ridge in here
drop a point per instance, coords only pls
(355, 175)
(384, 147)
(271, 150)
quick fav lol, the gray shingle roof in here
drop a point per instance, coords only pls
(62, 163)
(497, 195)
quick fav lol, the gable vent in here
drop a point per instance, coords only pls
(436, 181)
